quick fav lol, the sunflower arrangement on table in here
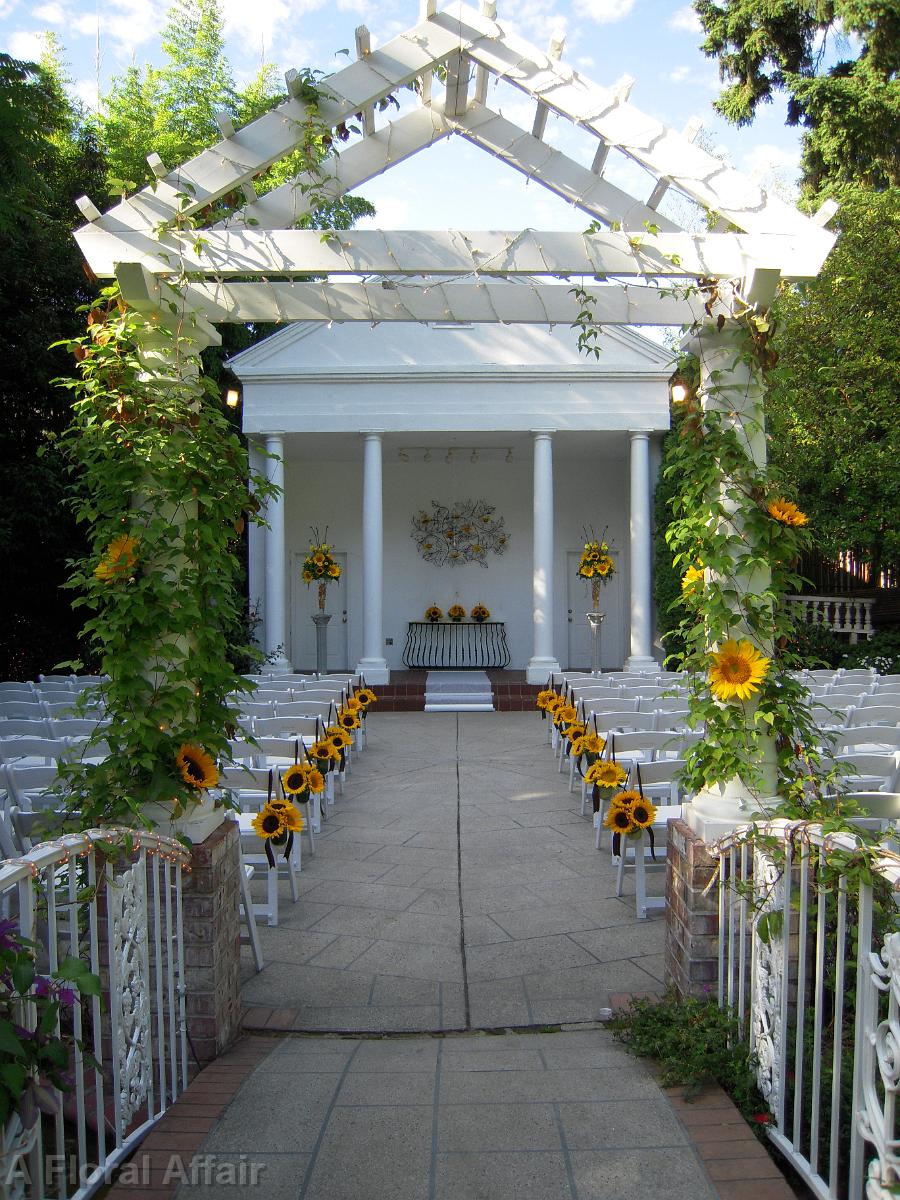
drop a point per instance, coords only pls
(456, 612)
(480, 613)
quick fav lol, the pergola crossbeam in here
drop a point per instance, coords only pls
(486, 301)
(238, 252)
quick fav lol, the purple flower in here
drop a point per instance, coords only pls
(43, 986)
(67, 996)
(8, 940)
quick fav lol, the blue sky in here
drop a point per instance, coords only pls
(452, 185)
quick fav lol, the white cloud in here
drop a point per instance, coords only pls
(256, 24)
(125, 23)
(774, 168)
(679, 74)
(603, 11)
(25, 45)
(585, 62)
(86, 91)
(52, 13)
(7, 7)
(685, 20)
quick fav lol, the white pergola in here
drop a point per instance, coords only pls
(255, 265)
(245, 268)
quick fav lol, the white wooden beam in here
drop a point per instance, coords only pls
(88, 209)
(360, 162)
(236, 160)
(225, 124)
(486, 301)
(363, 50)
(148, 295)
(556, 171)
(279, 253)
(607, 113)
(554, 51)
(457, 87)
(600, 156)
(157, 166)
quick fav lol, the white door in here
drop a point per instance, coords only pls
(578, 604)
(305, 602)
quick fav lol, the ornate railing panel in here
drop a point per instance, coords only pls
(841, 614)
(822, 1011)
(119, 910)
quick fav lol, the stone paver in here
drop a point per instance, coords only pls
(455, 886)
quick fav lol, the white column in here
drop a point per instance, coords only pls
(543, 662)
(256, 549)
(641, 658)
(373, 664)
(276, 623)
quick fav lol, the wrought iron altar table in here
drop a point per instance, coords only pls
(458, 644)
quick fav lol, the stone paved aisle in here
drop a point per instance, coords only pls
(456, 889)
(456, 886)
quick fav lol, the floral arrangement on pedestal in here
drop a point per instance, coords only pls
(464, 532)
(597, 564)
(319, 566)
(479, 613)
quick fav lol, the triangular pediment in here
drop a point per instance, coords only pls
(312, 348)
(256, 264)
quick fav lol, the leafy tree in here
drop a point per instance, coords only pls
(49, 159)
(832, 404)
(848, 103)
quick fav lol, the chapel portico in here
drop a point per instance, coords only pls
(513, 417)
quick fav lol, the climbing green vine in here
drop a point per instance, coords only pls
(162, 486)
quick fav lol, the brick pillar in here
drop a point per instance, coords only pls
(212, 942)
(692, 918)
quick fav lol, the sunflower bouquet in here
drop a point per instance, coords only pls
(276, 823)
(302, 780)
(456, 612)
(320, 567)
(366, 698)
(604, 774)
(347, 719)
(564, 715)
(326, 755)
(596, 565)
(433, 614)
(587, 748)
(480, 613)
(630, 815)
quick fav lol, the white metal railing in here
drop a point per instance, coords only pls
(809, 964)
(119, 909)
(842, 614)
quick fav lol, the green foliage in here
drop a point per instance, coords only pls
(882, 652)
(832, 404)
(36, 1060)
(49, 158)
(847, 102)
(158, 464)
(696, 1043)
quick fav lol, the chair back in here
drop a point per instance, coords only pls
(26, 727)
(280, 750)
(30, 710)
(27, 786)
(257, 708)
(623, 721)
(71, 726)
(286, 727)
(43, 749)
(326, 710)
(875, 714)
(863, 738)
(60, 708)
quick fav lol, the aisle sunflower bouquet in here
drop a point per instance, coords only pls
(544, 699)
(630, 814)
(366, 698)
(604, 775)
(277, 821)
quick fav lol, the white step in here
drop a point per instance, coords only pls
(489, 707)
(459, 698)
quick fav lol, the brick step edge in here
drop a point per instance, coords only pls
(736, 1161)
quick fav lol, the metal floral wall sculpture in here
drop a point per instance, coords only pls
(464, 532)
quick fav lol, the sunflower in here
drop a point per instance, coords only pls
(575, 730)
(542, 699)
(196, 766)
(338, 739)
(692, 577)
(307, 576)
(552, 705)
(118, 560)
(319, 559)
(433, 613)
(606, 774)
(316, 781)
(290, 817)
(366, 697)
(786, 512)
(618, 819)
(604, 566)
(594, 743)
(325, 749)
(352, 704)
(566, 714)
(295, 780)
(348, 720)
(269, 822)
(643, 813)
(334, 571)
(737, 670)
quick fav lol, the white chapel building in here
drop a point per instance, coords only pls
(369, 426)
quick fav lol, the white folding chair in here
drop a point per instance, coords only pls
(26, 727)
(875, 714)
(28, 710)
(868, 772)
(865, 739)
(668, 805)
